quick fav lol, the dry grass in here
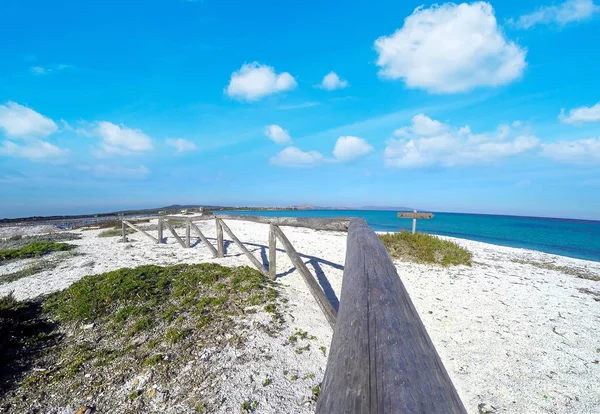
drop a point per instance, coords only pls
(425, 248)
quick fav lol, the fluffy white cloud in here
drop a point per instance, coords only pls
(278, 135)
(450, 147)
(34, 150)
(180, 144)
(296, 158)
(120, 140)
(18, 121)
(332, 81)
(581, 114)
(255, 81)
(349, 148)
(450, 48)
(568, 12)
(581, 152)
(45, 70)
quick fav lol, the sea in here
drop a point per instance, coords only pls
(566, 237)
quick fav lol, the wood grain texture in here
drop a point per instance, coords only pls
(311, 282)
(172, 230)
(136, 228)
(334, 224)
(187, 234)
(247, 252)
(220, 245)
(160, 230)
(272, 252)
(413, 215)
(204, 239)
(381, 358)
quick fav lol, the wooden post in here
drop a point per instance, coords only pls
(311, 282)
(174, 233)
(124, 232)
(243, 248)
(220, 246)
(414, 229)
(272, 252)
(381, 359)
(187, 234)
(136, 228)
(160, 230)
(204, 239)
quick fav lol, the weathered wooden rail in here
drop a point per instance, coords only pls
(381, 358)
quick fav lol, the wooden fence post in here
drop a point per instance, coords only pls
(414, 229)
(187, 233)
(123, 231)
(311, 282)
(272, 252)
(160, 230)
(220, 246)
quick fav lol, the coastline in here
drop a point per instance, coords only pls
(511, 334)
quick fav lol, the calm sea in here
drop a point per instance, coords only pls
(573, 238)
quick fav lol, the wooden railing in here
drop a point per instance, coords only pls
(381, 358)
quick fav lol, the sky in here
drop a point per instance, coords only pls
(472, 107)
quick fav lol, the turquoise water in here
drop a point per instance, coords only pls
(566, 237)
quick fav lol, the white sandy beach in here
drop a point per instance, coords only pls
(515, 336)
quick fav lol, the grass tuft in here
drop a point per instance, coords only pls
(34, 249)
(425, 248)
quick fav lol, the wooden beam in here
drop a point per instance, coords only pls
(272, 252)
(381, 359)
(123, 231)
(247, 252)
(204, 239)
(333, 224)
(220, 245)
(160, 230)
(415, 215)
(136, 228)
(311, 282)
(170, 228)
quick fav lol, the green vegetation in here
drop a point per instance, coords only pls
(425, 248)
(266, 382)
(127, 321)
(34, 249)
(114, 232)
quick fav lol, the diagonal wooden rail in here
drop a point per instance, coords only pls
(381, 358)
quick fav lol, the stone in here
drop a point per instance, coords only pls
(485, 408)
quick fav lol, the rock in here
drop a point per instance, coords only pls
(85, 410)
(87, 327)
(485, 408)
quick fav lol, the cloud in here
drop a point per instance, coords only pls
(332, 81)
(581, 114)
(119, 140)
(568, 12)
(46, 70)
(449, 147)
(255, 81)
(349, 148)
(35, 150)
(278, 135)
(111, 171)
(181, 144)
(450, 48)
(584, 152)
(296, 158)
(18, 121)
(300, 105)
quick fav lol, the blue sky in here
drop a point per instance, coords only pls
(473, 107)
